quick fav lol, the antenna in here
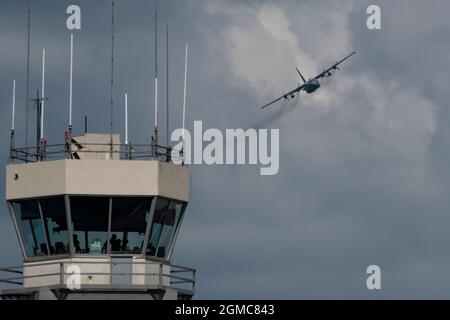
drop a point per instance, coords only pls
(167, 86)
(12, 142)
(71, 86)
(43, 95)
(27, 104)
(13, 107)
(128, 148)
(184, 95)
(112, 78)
(156, 76)
(38, 102)
(69, 134)
(155, 128)
(126, 118)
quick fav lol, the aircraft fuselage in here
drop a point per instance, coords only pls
(311, 86)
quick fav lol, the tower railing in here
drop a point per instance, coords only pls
(176, 277)
(61, 151)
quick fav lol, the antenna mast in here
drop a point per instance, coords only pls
(128, 148)
(38, 102)
(13, 107)
(155, 129)
(167, 86)
(68, 135)
(43, 96)
(156, 67)
(112, 80)
(126, 118)
(13, 116)
(185, 89)
(71, 86)
(27, 103)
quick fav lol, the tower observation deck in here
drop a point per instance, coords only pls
(96, 219)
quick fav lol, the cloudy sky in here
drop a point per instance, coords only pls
(364, 161)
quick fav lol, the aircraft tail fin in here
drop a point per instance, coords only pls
(300, 74)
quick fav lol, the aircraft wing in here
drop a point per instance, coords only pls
(284, 96)
(334, 66)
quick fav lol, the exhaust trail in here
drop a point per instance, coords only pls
(274, 115)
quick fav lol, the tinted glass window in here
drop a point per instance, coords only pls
(128, 224)
(155, 232)
(90, 217)
(165, 221)
(55, 223)
(169, 226)
(30, 224)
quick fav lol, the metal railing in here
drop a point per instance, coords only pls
(13, 280)
(180, 278)
(75, 150)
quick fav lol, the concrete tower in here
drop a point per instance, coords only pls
(97, 220)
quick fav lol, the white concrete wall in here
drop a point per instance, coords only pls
(149, 268)
(30, 269)
(86, 265)
(97, 177)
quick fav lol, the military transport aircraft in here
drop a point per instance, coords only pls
(312, 84)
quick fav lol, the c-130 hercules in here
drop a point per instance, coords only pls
(311, 85)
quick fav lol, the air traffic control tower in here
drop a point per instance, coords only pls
(96, 219)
